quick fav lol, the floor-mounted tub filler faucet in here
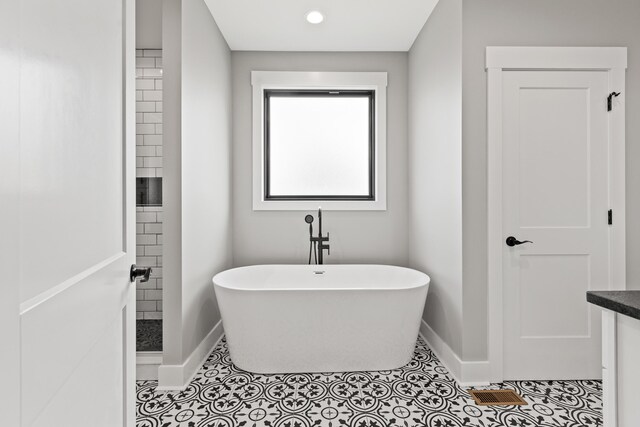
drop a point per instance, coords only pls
(316, 244)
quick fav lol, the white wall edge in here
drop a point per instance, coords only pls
(178, 377)
(466, 374)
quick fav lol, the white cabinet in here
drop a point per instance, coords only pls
(609, 369)
(620, 370)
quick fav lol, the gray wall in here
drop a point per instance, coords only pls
(539, 23)
(148, 24)
(172, 182)
(356, 237)
(206, 159)
(197, 117)
(432, 210)
(435, 167)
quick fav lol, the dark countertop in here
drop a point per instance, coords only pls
(623, 302)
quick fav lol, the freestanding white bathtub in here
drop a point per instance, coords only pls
(321, 318)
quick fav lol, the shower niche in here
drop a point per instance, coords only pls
(148, 192)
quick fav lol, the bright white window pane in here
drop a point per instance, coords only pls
(319, 146)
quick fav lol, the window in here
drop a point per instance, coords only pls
(319, 140)
(319, 144)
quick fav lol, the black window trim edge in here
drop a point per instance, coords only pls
(370, 93)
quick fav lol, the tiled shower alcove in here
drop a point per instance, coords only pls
(149, 197)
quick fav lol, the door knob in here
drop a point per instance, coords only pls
(512, 241)
(136, 272)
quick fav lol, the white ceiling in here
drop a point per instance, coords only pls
(349, 25)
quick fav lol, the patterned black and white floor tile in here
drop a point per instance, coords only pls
(419, 394)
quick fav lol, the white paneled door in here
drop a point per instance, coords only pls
(68, 330)
(556, 195)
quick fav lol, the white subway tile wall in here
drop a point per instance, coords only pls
(149, 164)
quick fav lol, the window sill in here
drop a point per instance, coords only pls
(310, 205)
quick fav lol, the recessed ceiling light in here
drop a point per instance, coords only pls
(315, 17)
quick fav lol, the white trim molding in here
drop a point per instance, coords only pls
(147, 363)
(178, 377)
(498, 59)
(377, 81)
(556, 58)
(467, 374)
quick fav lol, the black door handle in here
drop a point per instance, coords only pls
(136, 272)
(512, 241)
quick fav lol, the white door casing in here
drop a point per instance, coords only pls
(533, 321)
(71, 327)
(9, 213)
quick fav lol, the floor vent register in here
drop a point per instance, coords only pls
(496, 397)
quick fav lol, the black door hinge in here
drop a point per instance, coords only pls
(610, 216)
(610, 100)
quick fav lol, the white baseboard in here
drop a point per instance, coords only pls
(467, 374)
(178, 377)
(147, 363)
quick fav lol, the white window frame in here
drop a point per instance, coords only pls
(376, 81)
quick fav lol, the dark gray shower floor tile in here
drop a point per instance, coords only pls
(148, 335)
